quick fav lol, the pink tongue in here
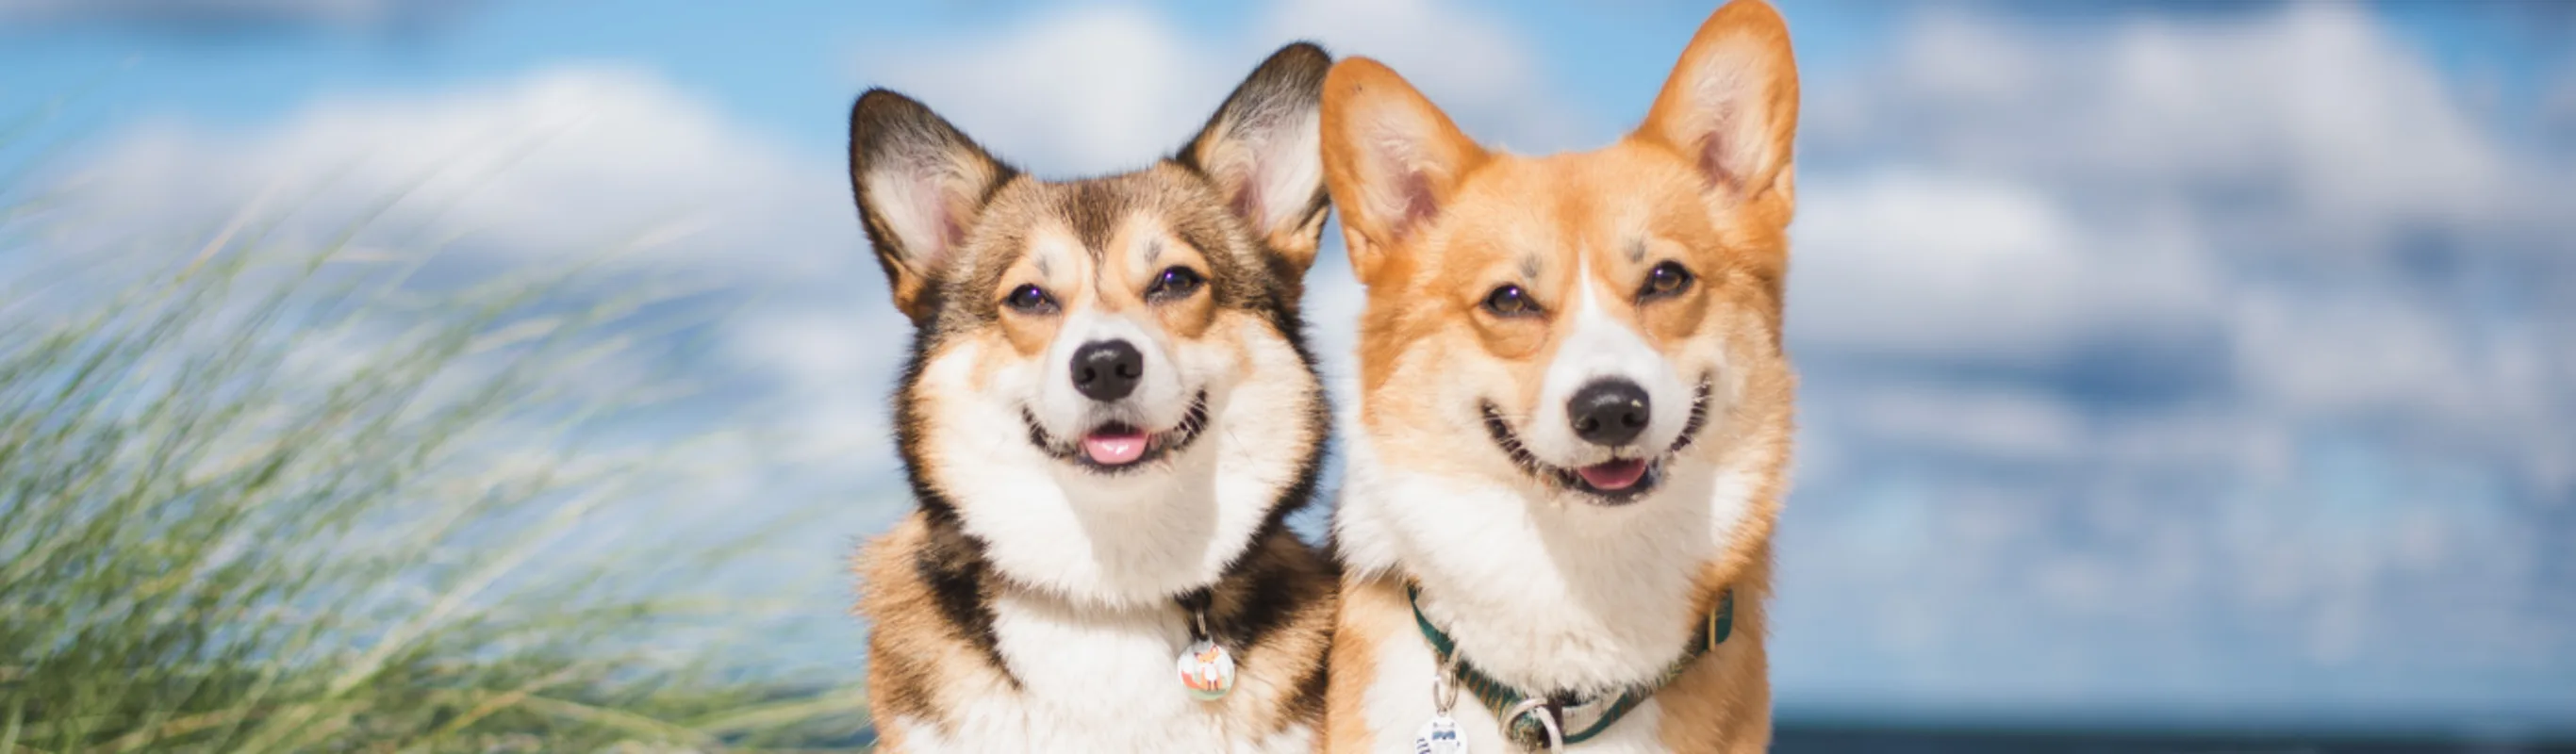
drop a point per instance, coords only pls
(1613, 476)
(1114, 448)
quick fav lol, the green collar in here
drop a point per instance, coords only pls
(1525, 728)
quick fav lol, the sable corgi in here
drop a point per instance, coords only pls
(1107, 417)
(1574, 421)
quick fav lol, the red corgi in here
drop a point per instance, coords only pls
(1574, 425)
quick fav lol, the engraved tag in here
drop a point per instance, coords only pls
(1439, 736)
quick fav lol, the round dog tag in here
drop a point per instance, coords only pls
(1439, 736)
(1207, 669)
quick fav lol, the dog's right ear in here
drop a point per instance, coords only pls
(1391, 159)
(1259, 151)
(919, 183)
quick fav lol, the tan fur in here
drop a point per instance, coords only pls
(1372, 610)
(1723, 703)
(915, 664)
(1433, 226)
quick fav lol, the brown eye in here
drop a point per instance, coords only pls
(1174, 283)
(1030, 299)
(1667, 279)
(1509, 300)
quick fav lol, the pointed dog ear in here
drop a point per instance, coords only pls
(1731, 104)
(1259, 150)
(920, 184)
(1392, 158)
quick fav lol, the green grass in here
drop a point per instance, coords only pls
(259, 500)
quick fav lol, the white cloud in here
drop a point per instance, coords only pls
(1473, 65)
(2343, 131)
(2007, 424)
(1927, 264)
(834, 363)
(1086, 91)
(559, 163)
(2453, 387)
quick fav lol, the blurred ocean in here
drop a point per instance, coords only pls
(1798, 739)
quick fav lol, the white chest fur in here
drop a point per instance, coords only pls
(1096, 681)
(1544, 594)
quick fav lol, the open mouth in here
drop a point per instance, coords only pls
(1118, 446)
(1618, 481)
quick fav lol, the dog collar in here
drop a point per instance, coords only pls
(1566, 708)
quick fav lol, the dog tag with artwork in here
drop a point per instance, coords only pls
(1207, 669)
(1439, 736)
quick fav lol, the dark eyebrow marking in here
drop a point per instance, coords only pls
(1153, 251)
(1092, 210)
(1045, 270)
(1529, 267)
(1637, 250)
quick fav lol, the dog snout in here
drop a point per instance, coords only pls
(1609, 412)
(1107, 370)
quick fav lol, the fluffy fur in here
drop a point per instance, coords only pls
(1034, 600)
(1499, 287)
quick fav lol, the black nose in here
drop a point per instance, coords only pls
(1608, 412)
(1107, 370)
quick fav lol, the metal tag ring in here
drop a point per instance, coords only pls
(1539, 710)
(1444, 690)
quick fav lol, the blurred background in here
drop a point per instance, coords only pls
(2188, 376)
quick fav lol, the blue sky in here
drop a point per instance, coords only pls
(2194, 362)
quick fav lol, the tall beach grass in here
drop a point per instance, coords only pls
(262, 500)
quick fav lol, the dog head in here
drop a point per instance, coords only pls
(1585, 328)
(1107, 383)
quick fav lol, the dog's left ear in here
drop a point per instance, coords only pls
(1260, 150)
(1731, 105)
